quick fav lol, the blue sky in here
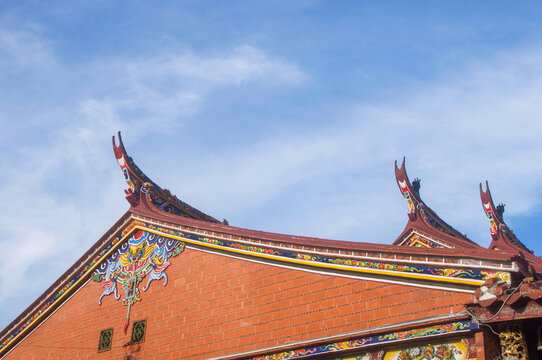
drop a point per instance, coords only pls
(284, 116)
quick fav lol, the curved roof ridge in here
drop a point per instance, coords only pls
(501, 234)
(139, 183)
(503, 238)
(422, 217)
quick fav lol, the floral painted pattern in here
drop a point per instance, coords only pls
(459, 348)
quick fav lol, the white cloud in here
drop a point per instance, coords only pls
(62, 193)
(245, 63)
(24, 46)
(163, 90)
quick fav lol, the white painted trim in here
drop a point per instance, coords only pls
(360, 276)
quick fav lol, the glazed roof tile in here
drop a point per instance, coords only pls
(497, 300)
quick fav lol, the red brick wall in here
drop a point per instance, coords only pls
(215, 305)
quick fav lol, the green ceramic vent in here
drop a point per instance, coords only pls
(106, 337)
(138, 331)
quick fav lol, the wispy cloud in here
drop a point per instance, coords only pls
(165, 89)
(60, 195)
(23, 46)
(482, 123)
(243, 64)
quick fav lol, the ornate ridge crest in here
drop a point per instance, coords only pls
(502, 235)
(419, 212)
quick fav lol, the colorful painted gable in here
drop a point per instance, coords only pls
(142, 255)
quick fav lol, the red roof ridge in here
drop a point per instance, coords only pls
(149, 199)
(147, 209)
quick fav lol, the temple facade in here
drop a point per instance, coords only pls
(168, 281)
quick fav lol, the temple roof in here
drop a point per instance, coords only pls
(424, 233)
(429, 253)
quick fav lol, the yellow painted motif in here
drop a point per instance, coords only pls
(136, 253)
(462, 349)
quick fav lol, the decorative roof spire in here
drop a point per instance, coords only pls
(140, 185)
(416, 184)
(500, 210)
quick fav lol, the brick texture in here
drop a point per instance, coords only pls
(215, 305)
